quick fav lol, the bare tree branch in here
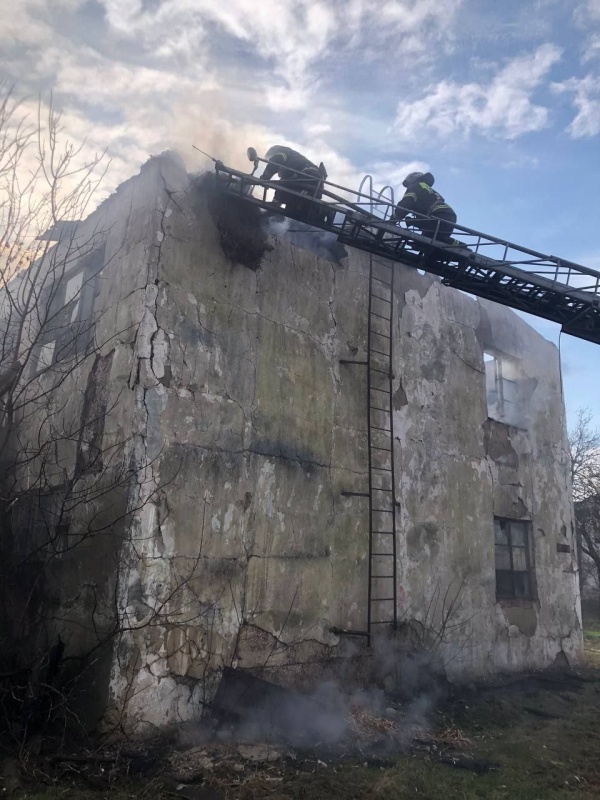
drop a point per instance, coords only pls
(584, 444)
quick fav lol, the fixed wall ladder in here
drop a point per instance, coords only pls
(382, 589)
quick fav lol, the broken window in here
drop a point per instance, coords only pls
(68, 328)
(502, 389)
(513, 559)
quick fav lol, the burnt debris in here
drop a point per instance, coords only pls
(241, 235)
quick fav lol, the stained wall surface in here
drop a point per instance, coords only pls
(245, 430)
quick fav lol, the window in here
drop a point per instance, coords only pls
(513, 561)
(502, 389)
(69, 324)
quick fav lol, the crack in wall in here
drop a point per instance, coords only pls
(219, 353)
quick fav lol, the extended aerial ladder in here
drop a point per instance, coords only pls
(483, 265)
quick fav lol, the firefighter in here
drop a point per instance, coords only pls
(295, 172)
(422, 199)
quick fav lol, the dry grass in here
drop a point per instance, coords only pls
(543, 731)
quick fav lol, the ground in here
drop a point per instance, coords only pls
(530, 737)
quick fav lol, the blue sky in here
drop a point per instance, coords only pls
(500, 100)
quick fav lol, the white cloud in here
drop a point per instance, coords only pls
(148, 76)
(501, 108)
(20, 23)
(392, 173)
(154, 75)
(591, 48)
(587, 17)
(428, 17)
(407, 16)
(318, 128)
(587, 102)
(587, 11)
(291, 35)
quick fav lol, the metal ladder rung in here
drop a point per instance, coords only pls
(375, 314)
(380, 353)
(380, 280)
(376, 434)
(384, 335)
(381, 371)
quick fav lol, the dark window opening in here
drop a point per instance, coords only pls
(513, 559)
(68, 329)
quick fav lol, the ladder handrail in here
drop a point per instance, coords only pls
(378, 221)
(546, 286)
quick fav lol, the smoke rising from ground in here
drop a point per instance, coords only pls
(405, 688)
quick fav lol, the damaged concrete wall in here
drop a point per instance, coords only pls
(76, 443)
(252, 431)
(458, 468)
(261, 429)
(245, 429)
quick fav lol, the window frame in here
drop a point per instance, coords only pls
(506, 524)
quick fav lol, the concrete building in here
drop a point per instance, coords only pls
(219, 385)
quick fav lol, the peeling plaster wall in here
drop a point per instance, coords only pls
(457, 469)
(261, 429)
(253, 433)
(245, 429)
(76, 592)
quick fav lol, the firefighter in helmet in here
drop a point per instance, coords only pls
(422, 199)
(297, 173)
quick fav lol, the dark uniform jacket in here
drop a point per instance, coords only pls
(422, 199)
(286, 157)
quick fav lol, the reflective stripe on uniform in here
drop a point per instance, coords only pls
(426, 186)
(409, 194)
(439, 207)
